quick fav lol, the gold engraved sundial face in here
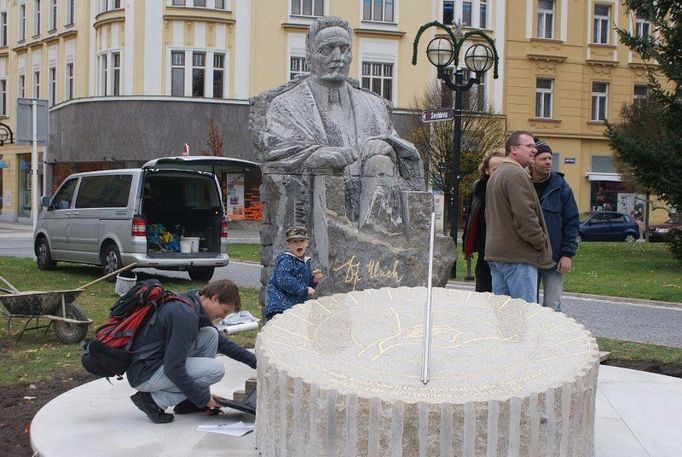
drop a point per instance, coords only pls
(483, 346)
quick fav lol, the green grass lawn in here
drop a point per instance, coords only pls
(638, 270)
(244, 252)
(635, 270)
(37, 354)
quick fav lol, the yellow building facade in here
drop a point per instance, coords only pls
(130, 80)
(566, 73)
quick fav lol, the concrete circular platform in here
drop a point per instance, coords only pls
(637, 415)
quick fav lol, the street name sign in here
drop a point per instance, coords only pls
(437, 115)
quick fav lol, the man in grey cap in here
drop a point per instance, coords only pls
(562, 219)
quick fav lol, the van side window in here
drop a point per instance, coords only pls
(107, 191)
(64, 196)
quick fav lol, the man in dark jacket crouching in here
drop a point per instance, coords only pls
(174, 361)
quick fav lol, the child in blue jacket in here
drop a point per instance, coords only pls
(292, 280)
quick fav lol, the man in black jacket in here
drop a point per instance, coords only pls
(562, 218)
(174, 361)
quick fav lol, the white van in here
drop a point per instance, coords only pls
(164, 215)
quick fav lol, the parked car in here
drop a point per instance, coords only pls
(664, 231)
(144, 215)
(607, 226)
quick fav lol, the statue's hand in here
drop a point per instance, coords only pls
(377, 148)
(330, 157)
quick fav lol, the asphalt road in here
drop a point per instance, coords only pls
(622, 319)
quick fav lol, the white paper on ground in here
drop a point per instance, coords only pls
(227, 428)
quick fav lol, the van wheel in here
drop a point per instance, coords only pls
(201, 274)
(111, 260)
(43, 256)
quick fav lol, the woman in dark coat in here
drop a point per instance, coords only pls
(474, 231)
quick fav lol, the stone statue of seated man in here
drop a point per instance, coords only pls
(331, 159)
(326, 126)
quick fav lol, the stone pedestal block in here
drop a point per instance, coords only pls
(340, 376)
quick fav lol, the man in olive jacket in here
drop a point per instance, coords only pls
(516, 236)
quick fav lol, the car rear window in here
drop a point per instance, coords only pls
(106, 191)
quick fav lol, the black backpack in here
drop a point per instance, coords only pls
(108, 353)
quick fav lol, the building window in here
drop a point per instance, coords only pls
(307, 7)
(641, 92)
(36, 17)
(448, 12)
(466, 14)
(601, 24)
(198, 73)
(298, 66)
(483, 16)
(22, 86)
(103, 74)
(22, 22)
(3, 29)
(474, 98)
(545, 18)
(108, 5)
(110, 73)
(36, 84)
(116, 70)
(218, 75)
(599, 101)
(70, 11)
(642, 27)
(178, 73)
(200, 3)
(53, 85)
(69, 81)
(378, 10)
(3, 94)
(53, 15)
(220, 4)
(178, 2)
(378, 77)
(543, 98)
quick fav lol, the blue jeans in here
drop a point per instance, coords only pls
(518, 280)
(552, 286)
(201, 366)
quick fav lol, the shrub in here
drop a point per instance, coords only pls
(676, 245)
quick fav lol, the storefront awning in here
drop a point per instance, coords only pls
(593, 176)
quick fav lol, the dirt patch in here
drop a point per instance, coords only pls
(668, 369)
(21, 401)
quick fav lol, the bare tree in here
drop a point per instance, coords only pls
(482, 131)
(215, 140)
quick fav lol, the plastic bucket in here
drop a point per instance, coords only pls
(124, 282)
(194, 240)
(185, 246)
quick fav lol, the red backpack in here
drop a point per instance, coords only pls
(108, 353)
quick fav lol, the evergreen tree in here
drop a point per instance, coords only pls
(649, 137)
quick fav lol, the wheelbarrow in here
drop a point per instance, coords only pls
(59, 307)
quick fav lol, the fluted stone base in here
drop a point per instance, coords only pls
(340, 376)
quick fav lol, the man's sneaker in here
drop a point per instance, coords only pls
(146, 403)
(187, 407)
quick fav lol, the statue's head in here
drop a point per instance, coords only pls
(328, 49)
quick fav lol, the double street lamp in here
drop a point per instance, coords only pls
(442, 51)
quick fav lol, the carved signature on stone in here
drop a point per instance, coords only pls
(373, 268)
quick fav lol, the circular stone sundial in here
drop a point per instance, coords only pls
(341, 375)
